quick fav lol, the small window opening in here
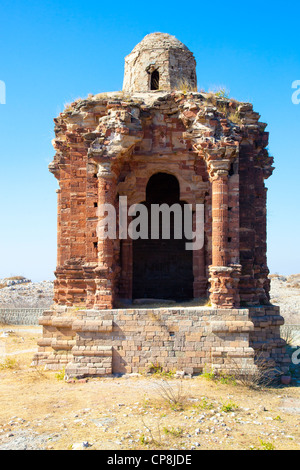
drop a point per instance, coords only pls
(229, 239)
(154, 84)
(95, 245)
(95, 204)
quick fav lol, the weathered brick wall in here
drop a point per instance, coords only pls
(255, 165)
(168, 134)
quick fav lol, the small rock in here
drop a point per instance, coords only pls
(81, 445)
(179, 373)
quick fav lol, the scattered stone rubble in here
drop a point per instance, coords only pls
(26, 294)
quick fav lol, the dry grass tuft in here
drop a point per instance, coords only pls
(173, 394)
(9, 363)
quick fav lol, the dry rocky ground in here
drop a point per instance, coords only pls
(40, 410)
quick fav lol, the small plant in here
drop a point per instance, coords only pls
(155, 368)
(227, 379)
(260, 375)
(222, 93)
(8, 363)
(266, 445)
(204, 405)
(234, 117)
(158, 371)
(37, 373)
(176, 432)
(146, 403)
(209, 375)
(230, 406)
(185, 86)
(60, 375)
(172, 394)
(153, 440)
(288, 334)
(168, 374)
(223, 109)
(143, 440)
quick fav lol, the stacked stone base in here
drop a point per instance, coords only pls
(265, 338)
(193, 340)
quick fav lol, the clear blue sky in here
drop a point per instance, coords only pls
(52, 52)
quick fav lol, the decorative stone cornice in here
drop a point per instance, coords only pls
(218, 159)
(117, 134)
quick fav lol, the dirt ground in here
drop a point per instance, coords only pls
(40, 410)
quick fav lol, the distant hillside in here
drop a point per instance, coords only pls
(20, 292)
(285, 292)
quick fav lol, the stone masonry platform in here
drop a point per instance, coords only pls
(191, 339)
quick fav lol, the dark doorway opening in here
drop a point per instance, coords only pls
(154, 83)
(162, 268)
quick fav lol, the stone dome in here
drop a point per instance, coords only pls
(159, 41)
(159, 62)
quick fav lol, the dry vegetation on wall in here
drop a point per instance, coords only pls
(161, 411)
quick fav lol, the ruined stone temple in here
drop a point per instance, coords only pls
(123, 304)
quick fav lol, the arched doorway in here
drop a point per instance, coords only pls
(162, 268)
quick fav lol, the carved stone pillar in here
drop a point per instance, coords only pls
(224, 277)
(105, 271)
(219, 184)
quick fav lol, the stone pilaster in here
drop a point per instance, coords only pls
(219, 185)
(224, 277)
(105, 272)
